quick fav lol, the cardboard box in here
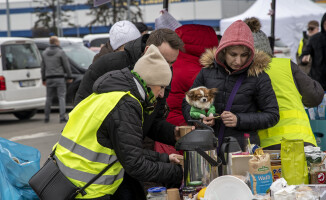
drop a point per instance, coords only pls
(238, 164)
(276, 168)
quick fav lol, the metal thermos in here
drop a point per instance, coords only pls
(200, 159)
(199, 169)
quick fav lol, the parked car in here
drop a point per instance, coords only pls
(281, 50)
(21, 89)
(94, 41)
(80, 58)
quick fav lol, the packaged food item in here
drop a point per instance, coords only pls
(201, 193)
(317, 174)
(260, 173)
(313, 155)
(276, 168)
(293, 160)
(188, 193)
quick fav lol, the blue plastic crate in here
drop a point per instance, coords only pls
(319, 129)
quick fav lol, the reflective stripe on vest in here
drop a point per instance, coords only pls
(294, 122)
(79, 155)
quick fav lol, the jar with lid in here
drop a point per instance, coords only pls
(157, 193)
(188, 193)
(198, 185)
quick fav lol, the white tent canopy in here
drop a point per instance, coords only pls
(291, 19)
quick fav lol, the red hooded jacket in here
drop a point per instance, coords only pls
(197, 38)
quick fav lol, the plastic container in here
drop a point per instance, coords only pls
(246, 142)
(157, 193)
(188, 193)
(319, 129)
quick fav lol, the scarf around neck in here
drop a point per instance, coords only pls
(150, 100)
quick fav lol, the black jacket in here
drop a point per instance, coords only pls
(122, 131)
(316, 47)
(311, 91)
(155, 125)
(255, 103)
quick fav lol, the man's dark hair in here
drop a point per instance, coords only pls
(159, 36)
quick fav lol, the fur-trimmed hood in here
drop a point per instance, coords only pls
(260, 61)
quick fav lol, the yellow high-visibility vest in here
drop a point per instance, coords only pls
(294, 122)
(79, 155)
(300, 48)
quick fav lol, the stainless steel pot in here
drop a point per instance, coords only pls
(199, 169)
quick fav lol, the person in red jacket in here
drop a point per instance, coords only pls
(196, 38)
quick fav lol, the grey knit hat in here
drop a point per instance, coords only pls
(262, 42)
(123, 32)
(260, 38)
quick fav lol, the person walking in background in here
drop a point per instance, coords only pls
(197, 38)
(236, 64)
(55, 66)
(316, 50)
(121, 33)
(115, 135)
(293, 89)
(312, 29)
(155, 126)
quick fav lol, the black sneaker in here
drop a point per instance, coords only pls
(63, 120)
(46, 120)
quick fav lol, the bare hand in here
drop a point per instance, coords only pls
(175, 158)
(69, 80)
(306, 58)
(209, 121)
(44, 83)
(229, 119)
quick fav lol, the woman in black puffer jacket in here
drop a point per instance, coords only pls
(255, 106)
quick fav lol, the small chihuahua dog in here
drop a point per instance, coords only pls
(201, 100)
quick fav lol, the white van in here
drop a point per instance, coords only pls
(21, 89)
(94, 41)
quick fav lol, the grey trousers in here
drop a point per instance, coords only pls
(55, 86)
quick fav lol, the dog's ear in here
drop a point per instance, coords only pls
(213, 91)
(190, 93)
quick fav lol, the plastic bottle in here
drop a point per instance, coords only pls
(247, 145)
(157, 193)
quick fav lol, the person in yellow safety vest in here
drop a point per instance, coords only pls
(313, 28)
(293, 89)
(107, 127)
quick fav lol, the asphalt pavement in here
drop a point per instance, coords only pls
(33, 132)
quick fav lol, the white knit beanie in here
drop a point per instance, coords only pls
(166, 21)
(123, 32)
(153, 68)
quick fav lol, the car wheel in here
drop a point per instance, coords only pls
(25, 114)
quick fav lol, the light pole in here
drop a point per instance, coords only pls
(8, 19)
(59, 25)
(273, 24)
(128, 11)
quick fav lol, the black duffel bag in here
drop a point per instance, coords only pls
(49, 183)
